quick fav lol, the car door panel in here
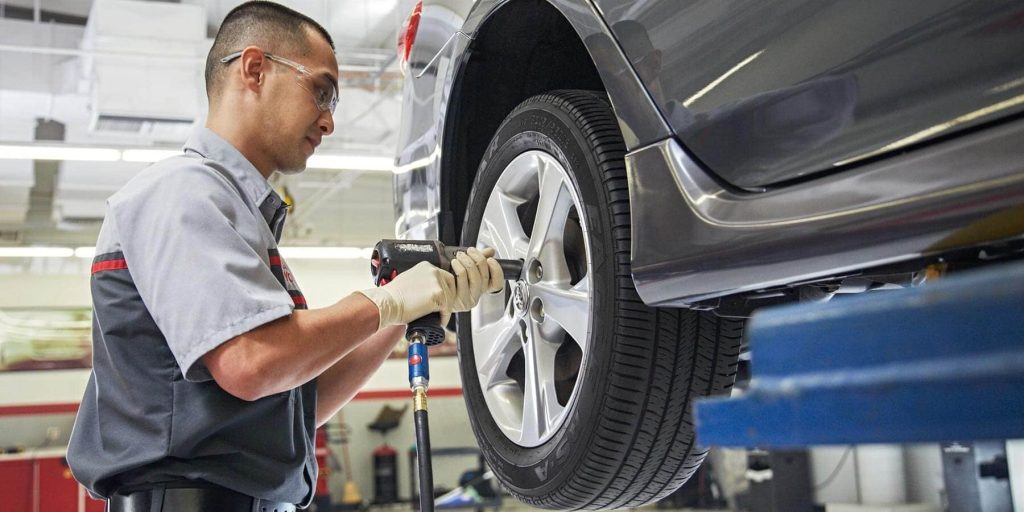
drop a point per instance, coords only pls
(765, 93)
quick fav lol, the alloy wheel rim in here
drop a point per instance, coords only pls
(531, 342)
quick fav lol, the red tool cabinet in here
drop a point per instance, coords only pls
(40, 481)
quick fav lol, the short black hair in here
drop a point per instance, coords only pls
(269, 25)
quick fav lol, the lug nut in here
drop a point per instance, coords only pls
(536, 271)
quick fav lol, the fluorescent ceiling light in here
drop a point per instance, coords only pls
(326, 253)
(147, 155)
(351, 162)
(11, 152)
(85, 252)
(36, 252)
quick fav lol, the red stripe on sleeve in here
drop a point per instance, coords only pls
(299, 300)
(109, 265)
(275, 260)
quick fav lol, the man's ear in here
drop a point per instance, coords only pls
(254, 64)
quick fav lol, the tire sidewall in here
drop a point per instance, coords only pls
(539, 125)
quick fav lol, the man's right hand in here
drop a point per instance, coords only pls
(415, 293)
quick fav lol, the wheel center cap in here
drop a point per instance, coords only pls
(520, 294)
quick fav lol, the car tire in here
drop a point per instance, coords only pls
(623, 435)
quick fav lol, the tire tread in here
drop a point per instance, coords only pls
(666, 357)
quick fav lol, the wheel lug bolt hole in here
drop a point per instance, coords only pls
(535, 272)
(537, 310)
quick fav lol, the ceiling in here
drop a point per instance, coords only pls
(69, 66)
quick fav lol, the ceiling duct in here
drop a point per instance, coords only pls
(144, 64)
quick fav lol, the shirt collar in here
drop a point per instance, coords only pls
(207, 144)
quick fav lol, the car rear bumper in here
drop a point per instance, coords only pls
(694, 239)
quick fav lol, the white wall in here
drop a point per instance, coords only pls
(27, 291)
(924, 473)
(64, 282)
(922, 467)
(1015, 459)
(842, 488)
(325, 281)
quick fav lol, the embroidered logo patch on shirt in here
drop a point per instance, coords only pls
(284, 275)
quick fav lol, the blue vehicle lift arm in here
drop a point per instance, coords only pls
(940, 362)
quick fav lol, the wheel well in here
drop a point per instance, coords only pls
(525, 48)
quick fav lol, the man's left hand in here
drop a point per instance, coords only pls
(475, 271)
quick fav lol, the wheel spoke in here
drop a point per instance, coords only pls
(553, 207)
(546, 351)
(533, 416)
(502, 229)
(500, 341)
(569, 308)
(541, 409)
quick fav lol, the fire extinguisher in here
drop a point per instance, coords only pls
(385, 475)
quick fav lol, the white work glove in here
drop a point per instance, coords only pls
(475, 271)
(415, 293)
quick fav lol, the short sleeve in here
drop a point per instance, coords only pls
(199, 259)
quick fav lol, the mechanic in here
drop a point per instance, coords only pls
(210, 376)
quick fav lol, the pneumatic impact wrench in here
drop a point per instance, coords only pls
(390, 258)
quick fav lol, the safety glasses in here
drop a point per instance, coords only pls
(325, 94)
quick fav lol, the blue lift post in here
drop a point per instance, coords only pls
(941, 362)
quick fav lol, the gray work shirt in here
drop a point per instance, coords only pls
(186, 260)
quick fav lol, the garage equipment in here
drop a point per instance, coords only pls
(390, 258)
(942, 362)
(385, 457)
(977, 476)
(473, 484)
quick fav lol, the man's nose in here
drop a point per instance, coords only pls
(326, 123)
